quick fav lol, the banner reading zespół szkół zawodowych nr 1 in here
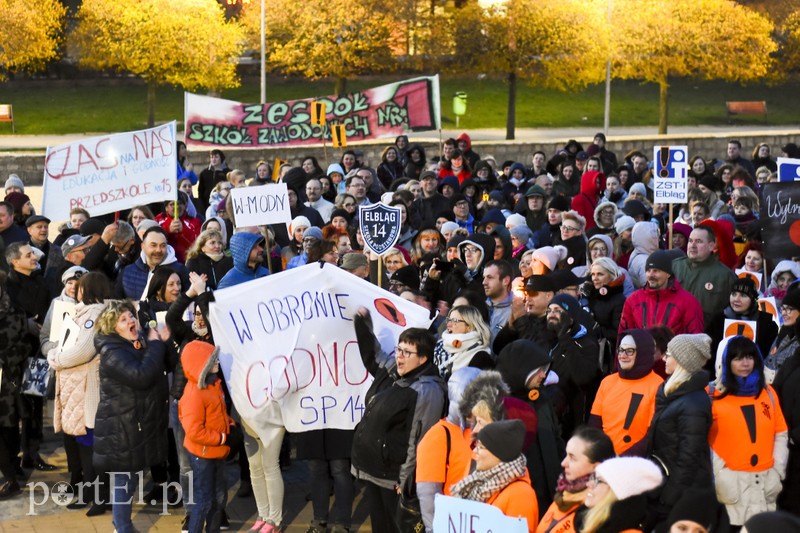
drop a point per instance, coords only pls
(111, 172)
(385, 111)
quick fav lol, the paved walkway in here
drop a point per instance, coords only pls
(33, 511)
(523, 135)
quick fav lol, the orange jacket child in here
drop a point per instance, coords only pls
(202, 407)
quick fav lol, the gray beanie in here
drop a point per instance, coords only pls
(522, 233)
(14, 181)
(313, 232)
(623, 223)
(692, 351)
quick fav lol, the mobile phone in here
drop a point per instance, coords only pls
(443, 266)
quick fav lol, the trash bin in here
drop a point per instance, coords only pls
(460, 104)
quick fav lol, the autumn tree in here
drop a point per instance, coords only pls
(789, 55)
(30, 35)
(187, 43)
(707, 39)
(325, 38)
(558, 45)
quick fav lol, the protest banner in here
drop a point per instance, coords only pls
(288, 340)
(265, 204)
(780, 220)
(61, 310)
(380, 226)
(385, 111)
(788, 169)
(110, 173)
(755, 276)
(734, 327)
(455, 515)
(669, 174)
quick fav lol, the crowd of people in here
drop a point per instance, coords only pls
(580, 372)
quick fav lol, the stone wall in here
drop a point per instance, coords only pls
(30, 165)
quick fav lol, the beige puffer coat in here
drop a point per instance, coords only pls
(77, 376)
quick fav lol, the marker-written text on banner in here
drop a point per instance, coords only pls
(110, 173)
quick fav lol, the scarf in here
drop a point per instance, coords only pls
(565, 485)
(747, 386)
(200, 332)
(482, 484)
(215, 257)
(460, 347)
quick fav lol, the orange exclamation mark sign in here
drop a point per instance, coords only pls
(663, 157)
(636, 400)
(749, 412)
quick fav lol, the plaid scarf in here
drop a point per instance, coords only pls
(481, 485)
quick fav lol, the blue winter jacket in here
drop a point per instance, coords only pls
(241, 246)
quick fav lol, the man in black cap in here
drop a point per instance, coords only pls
(549, 233)
(460, 206)
(38, 227)
(608, 157)
(431, 202)
(662, 301)
(534, 207)
(532, 325)
(574, 350)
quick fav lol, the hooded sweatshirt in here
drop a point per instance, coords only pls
(201, 409)
(645, 241)
(625, 401)
(241, 246)
(585, 201)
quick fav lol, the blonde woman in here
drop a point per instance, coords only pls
(678, 435)
(465, 342)
(616, 498)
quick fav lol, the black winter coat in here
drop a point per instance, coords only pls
(131, 424)
(787, 385)
(399, 411)
(607, 308)
(214, 270)
(678, 439)
(14, 349)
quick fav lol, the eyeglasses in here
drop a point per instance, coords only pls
(470, 250)
(348, 204)
(594, 480)
(451, 320)
(786, 309)
(462, 204)
(403, 354)
(627, 351)
(569, 229)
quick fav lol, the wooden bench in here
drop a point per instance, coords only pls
(7, 115)
(746, 108)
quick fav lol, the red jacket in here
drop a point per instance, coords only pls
(593, 184)
(202, 410)
(181, 242)
(672, 307)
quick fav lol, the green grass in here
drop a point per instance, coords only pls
(42, 108)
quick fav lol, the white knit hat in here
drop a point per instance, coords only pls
(623, 223)
(449, 226)
(515, 219)
(629, 476)
(551, 255)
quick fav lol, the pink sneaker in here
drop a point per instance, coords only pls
(269, 528)
(258, 525)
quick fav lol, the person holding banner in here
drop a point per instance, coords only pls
(744, 307)
(405, 399)
(501, 477)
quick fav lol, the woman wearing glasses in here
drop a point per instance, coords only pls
(573, 239)
(464, 343)
(787, 342)
(615, 500)
(501, 477)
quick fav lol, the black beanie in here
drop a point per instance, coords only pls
(503, 439)
(560, 203)
(747, 287)
(660, 260)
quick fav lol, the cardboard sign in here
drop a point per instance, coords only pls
(68, 335)
(318, 112)
(669, 174)
(289, 348)
(780, 220)
(338, 135)
(455, 515)
(755, 276)
(788, 169)
(110, 173)
(734, 327)
(385, 111)
(380, 226)
(769, 305)
(264, 204)
(61, 310)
